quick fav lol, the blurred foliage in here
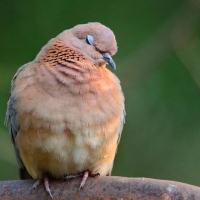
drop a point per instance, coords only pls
(158, 65)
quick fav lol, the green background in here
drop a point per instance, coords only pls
(158, 63)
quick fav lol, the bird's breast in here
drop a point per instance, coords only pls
(84, 108)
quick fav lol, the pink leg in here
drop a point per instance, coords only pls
(85, 176)
(46, 184)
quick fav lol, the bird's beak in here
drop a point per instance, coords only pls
(107, 57)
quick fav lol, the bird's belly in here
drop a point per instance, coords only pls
(65, 153)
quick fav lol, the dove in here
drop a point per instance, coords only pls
(66, 111)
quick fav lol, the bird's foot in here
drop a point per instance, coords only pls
(36, 184)
(84, 176)
(46, 185)
(94, 175)
(73, 176)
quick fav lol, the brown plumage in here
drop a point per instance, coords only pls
(66, 109)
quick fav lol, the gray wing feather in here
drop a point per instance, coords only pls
(11, 117)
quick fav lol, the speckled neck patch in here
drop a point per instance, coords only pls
(60, 54)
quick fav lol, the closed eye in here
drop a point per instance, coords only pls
(90, 39)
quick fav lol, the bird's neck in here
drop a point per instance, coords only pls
(74, 73)
(67, 64)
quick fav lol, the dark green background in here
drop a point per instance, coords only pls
(158, 63)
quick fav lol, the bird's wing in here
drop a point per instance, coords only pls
(13, 125)
(122, 121)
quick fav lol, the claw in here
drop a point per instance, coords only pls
(49, 192)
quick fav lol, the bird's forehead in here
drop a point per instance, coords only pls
(96, 29)
(104, 38)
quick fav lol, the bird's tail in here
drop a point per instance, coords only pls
(23, 174)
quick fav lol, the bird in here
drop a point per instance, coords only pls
(66, 109)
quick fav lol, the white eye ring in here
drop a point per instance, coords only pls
(90, 39)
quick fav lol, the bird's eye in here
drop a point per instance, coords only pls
(90, 39)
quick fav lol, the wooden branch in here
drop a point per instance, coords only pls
(102, 188)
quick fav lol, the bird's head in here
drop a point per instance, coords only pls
(94, 40)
